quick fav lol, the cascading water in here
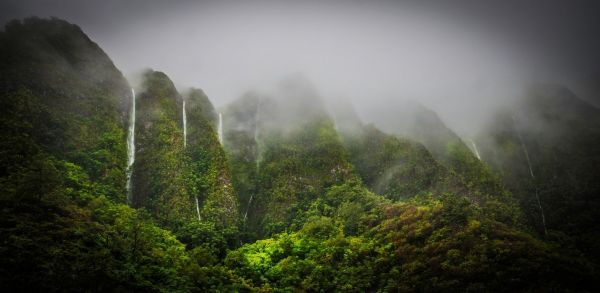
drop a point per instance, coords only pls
(220, 129)
(475, 149)
(537, 196)
(184, 126)
(185, 146)
(248, 207)
(256, 129)
(198, 209)
(130, 147)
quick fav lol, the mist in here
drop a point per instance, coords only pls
(463, 59)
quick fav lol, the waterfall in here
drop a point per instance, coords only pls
(475, 149)
(185, 146)
(248, 207)
(256, 132)
(184, 126)
(528, 160)
(220, 128)
(198, 209)
(130, 147)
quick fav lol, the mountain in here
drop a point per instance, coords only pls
(71, 97)
(545, 147)
(183, 182)
(64, 225)
(209, 169)
(103, 188)
(411, 120)
(159, 170)
(400, 168)
(286, 153)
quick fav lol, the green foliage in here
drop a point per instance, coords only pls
(296, 168)
(422, 245)
(62, 176)
(395, 167)
(159, 177)
(209, 175)
(64, 227)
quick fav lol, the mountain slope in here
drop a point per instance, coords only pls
(285, 153)
(546, 150)
(62, 181)
(412, 120)
(210, 175)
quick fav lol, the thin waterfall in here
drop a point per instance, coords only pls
(256, 129)
(185, 146)
(130, 147)
(220, 128)
(537, 196)
(184, 126)
(248, 207)
(475, 149)
(198, 209)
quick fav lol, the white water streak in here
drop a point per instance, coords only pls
(475, 149)
(248, 207)
(537, 196)
(130, 147)
(184, 126)
(220, 129)
(198, 209)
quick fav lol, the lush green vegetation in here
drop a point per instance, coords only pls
(349, 211)
(64, 226)
(355, 241)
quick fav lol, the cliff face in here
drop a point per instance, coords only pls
(63, 97)
(159, 173)
(180, 180)
(64, 113)
(210, 178)
(545, 148)
(292, 177)
(284, 152)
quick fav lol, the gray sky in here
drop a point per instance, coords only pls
(461, 58)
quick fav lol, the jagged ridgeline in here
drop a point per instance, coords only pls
(447, 166)
(306, 186)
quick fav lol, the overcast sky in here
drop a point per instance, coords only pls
(460, 58)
